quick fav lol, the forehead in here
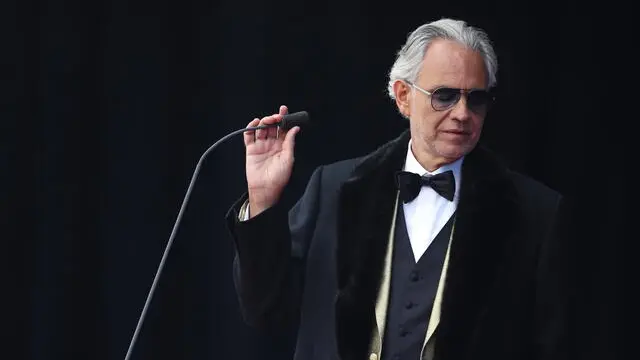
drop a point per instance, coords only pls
(451, 64)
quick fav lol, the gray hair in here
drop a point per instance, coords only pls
(409, 59)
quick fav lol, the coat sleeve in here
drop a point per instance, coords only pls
(555, 288)
(269, 263)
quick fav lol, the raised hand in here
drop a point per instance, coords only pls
(269, 161)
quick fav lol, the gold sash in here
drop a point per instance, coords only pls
(382, 301)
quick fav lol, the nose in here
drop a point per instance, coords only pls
(461, 111)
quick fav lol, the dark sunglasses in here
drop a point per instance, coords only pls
(478, 100)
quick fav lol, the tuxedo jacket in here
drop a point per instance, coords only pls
(318, 266)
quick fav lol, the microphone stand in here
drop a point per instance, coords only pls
(177, 223)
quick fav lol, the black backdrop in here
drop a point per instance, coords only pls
(108, 105)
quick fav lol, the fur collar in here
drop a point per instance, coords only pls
(485, 210)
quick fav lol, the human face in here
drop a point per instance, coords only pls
(442, 136)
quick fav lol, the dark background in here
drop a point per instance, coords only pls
(108, 105)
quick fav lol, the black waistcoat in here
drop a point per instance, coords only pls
(412, 292)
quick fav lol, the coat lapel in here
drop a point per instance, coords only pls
(486, 217)
(365, 214)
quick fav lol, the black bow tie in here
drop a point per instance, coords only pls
(410, 184)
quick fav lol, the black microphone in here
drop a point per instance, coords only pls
(288, 121)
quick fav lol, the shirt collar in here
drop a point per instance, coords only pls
(412, 165)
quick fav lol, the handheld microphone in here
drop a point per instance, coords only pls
(288, 121)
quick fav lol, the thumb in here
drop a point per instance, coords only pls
(290, 139)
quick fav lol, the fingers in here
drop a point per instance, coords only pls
(269, 133)
(263, 134)
(249, 135)
(277, 132)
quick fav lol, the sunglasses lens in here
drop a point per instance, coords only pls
(479, 101)
(444, 98)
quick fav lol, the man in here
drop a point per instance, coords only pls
(427, 248)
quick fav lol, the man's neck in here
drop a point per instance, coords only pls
(428, 162)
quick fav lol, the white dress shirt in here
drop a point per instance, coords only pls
(427, 214)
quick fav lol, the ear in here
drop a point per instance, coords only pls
(402, 92)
